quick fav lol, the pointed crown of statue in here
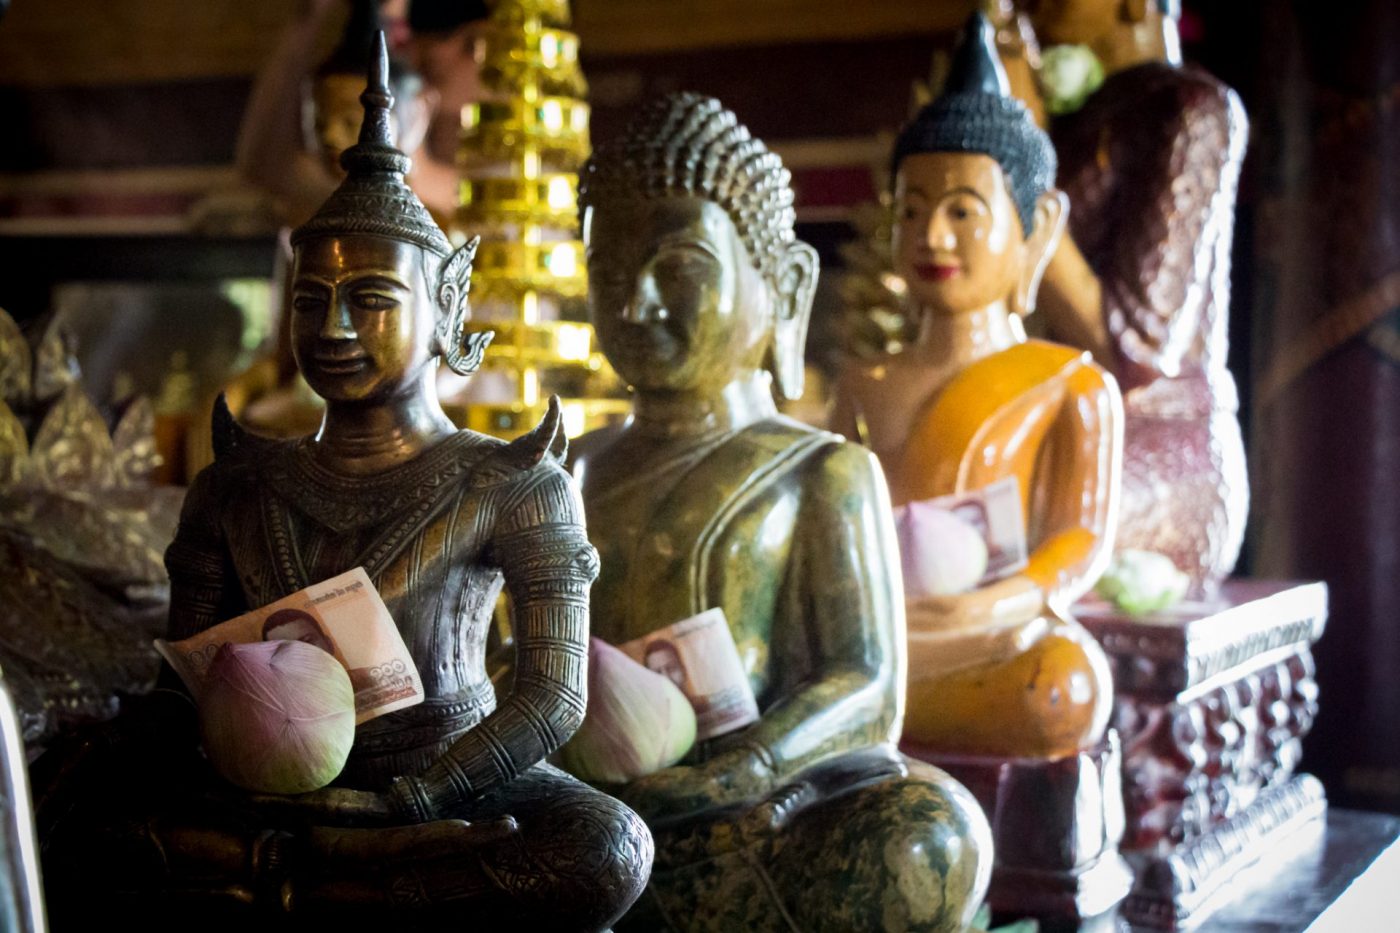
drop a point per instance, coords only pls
(374, 199)
(976, 113)
(688, 144)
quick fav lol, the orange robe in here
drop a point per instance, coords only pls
(1038, 685)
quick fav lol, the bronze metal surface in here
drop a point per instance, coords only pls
(446, 810)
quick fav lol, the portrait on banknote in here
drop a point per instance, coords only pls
(343, 616)
(699, 656)
(298, 625)
(663, 658)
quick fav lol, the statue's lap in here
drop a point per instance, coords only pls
(544, 841)
(1046, 700)
(866, 840)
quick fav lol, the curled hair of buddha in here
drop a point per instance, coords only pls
(374, 199)
(976, 113)
(688, 144)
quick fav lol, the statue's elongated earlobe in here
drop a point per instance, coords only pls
(794, 289)
(1051, 211)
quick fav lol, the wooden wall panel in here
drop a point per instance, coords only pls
(94, 42)
(650, 26)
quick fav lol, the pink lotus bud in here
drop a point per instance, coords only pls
(941, 554)
(278, 717)
(638, 722)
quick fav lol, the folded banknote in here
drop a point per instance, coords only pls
(700, 657)
(995, 511)
(343, 616)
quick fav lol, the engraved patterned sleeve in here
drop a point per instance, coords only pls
(542, 548)
(1176, 191)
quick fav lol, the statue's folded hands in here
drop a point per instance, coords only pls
(733, 777)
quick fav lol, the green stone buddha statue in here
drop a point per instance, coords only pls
(707, 498)
(446, 814)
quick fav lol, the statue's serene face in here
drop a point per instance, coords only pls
(957, 241)
(1072, 21)
(362, 317)
(336, 116)
(676, 301)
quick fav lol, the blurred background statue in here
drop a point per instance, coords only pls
(1150, 161)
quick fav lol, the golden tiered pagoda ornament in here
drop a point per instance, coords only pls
(520, 152)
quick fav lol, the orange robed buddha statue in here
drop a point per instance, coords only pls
(445, 814)
(999, 670)
(707, 498)
(1151, 163)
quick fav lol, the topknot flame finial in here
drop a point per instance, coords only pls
(975, 66)
(377, 99)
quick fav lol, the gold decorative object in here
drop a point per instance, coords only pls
(873, 320)
(446, 814)
(520, 154)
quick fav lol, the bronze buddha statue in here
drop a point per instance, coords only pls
(707, 498)
(1000, 670)
(1151, 163)
(446, 811)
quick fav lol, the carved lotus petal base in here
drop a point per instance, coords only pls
(1056, 824)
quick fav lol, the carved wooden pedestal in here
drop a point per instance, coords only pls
(1212, 702)
(1055, 824)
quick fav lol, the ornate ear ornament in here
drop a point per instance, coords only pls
(455, 279)
(462, 351)
(467, 351)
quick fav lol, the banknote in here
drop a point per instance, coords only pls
(343, 616)
(700, 657)
(995, 511)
